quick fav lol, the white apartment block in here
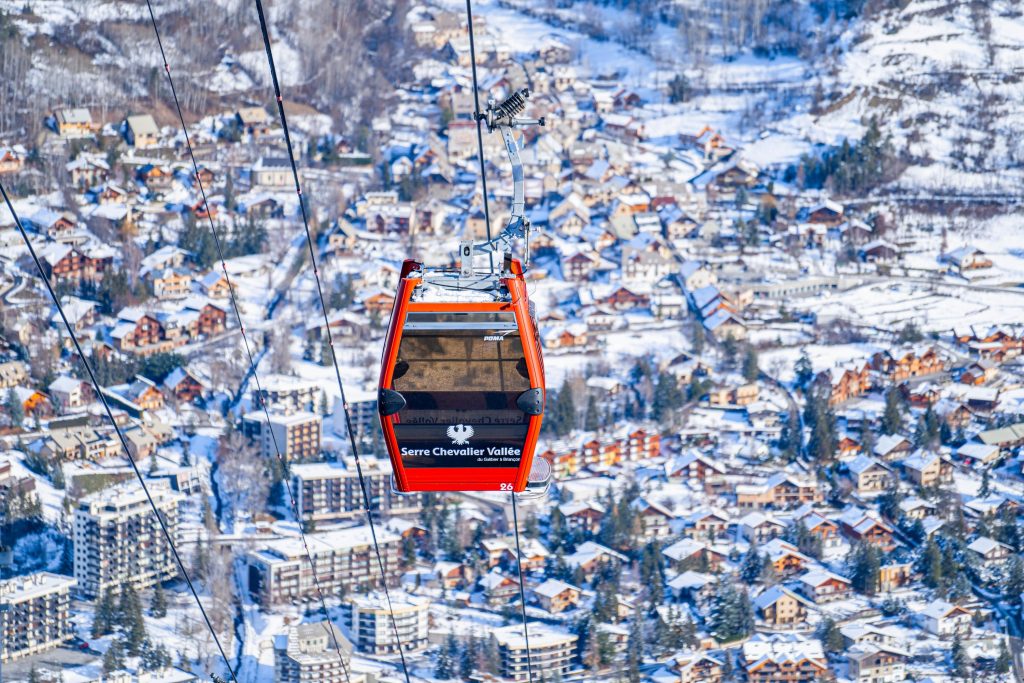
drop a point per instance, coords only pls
(118, 540)
(288, 394)
(329, 491)
(550, 651)
(309, 652)
(34, 614)
(368, 621)
(297, 434)
(279, 572)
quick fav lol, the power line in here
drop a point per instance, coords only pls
(522, 589)
(248, 349)
(479, 127)
(327, 326)
(120, 435)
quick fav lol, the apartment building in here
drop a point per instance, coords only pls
(550, 651)
(368, 621)
(329, 491)
(309, 652)
(34, 614)
(279, 572)
(296, 434)
(117, 539)
(287, 394)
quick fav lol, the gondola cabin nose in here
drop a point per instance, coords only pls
(461, 392)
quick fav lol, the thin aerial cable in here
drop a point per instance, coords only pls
(522, 590)
(120, 435)
(248, 348)
(479, 128)
(327, 325)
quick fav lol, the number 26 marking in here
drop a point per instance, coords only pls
(505, 487)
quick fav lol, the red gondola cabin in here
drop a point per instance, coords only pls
(461, 393)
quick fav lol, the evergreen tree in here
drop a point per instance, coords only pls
(635, 647)
(1014, 584)
(830, 637)
(751, 371)
(13, 408)
(961, 661)
(113, 658)
(33, 675)
(732, 616)
(155, 657)
(864, 568)
(931, 564)
(698, 339)
(750, 568)
(892, 417)
(803, 370)
(158, 603)
(467, 664)
(679, 89)
(667, 398)
(445, 667)
(104, 615)
(592, 420)
(1003, 661)
(730, 348)
(563, 418)
(986, 484)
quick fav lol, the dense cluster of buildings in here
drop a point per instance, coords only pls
(750, 491)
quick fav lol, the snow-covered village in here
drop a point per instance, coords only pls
(771, 267)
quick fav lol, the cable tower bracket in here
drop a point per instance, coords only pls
(505, 118)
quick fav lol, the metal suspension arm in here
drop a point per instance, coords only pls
(504, 118)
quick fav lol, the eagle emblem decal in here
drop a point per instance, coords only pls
(460, 434)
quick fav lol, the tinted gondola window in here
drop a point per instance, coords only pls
(460, 376)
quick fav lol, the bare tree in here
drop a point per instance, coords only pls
(243, 474)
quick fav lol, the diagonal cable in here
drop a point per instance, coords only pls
(120, 435)
(327, 325)
(522, 590)
(478, 117)
(248, 348)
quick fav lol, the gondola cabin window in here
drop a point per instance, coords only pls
(461, 375)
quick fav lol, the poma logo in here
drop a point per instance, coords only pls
(460, 434)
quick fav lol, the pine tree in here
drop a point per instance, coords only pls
(985, 483)
(113, 658)
(751, 371)
(635, 647)
(830, 637)
(103, 621)
(14, 409)
(1014, 584)
(732, 615)
(446, 659)
(1003, 661)
(698, 339)
(667, 398)
(33, 676)
(892, 417)
(592, 420)
(864, 568)
(564, 414)
(750, 568)
(158, 603)
(803, 370)
(962, 664)
(467, 664)
(931, 564)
